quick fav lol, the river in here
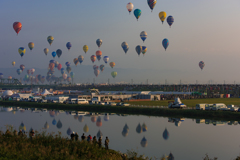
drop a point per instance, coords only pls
(148, 135)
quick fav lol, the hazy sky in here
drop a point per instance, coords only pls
(202, 31)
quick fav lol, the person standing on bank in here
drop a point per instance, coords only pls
(94, 139)
(72, 136)
(76, 136)
(89, 138)
(106, 143)
(100, 142)
(83, 137)
(31, 134)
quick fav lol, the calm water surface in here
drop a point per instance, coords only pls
(151, 136)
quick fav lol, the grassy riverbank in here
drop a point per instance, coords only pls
(48, 147)
(187, 113)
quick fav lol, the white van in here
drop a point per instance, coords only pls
(82, 101)
(218, 106)
(201, 106)
(208, 107)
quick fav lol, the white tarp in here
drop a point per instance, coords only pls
(45, 92)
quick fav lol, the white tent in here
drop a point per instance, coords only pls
(46, 92)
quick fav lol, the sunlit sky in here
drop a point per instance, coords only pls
(202, 31)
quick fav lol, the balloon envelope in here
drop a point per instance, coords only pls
(21, 51)
(125, 46)
(165, 43)
(129, 7)
(105, 59)
(137, 13)
(68, 45)
(17, 26)
(151, 3)
(85, 48)
(170, 20)
(46, 50)
(114, 74)
(54, 54)
(13, 63)
(112, 64)
(201, 64)
(144, 50)
(93, 58)
(165, 134)
(143, 35)
(50, 39)
(59, 53)
(80, 59)
(162, 15)
(138, 49)
(96, 72)
(101, 67)
(99, 42)
(31, 45)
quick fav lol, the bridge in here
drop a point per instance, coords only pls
(5, 81)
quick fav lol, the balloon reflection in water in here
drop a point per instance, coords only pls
(46, 125)
(54, 122)
(99, 134)
(93, 118)
(106, 117)
(59, 124)
(99, 121)
(165, 134)
(75, 116)
(139, 128)
(80, 118)
(170, 156)
(144, 127)
(22, 127)
(125, 130)
(69, 131)
(52, 113)
(144, 142)
(85, 128)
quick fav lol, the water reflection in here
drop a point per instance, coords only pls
(99, 134)
(22, 127)
(69, 131)
(81, 118)
(165, 134)
(106, 117)
(144, 142)
(176, 121)
(85, 128)
(46, 125)
(99, 121)
(54, 122)
(139, 128)
(144, 127)
(59, 124)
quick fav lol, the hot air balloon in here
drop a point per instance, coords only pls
(62, 70)
(99, 55)
(13, 63)
(52, 113)
(85, 48)
(68, 45)
(31, 45)
(151, 4)
(72, 74)
(95, 67)
(32, 70)
(99, 121)
(46, 50)
(125, 46)
(22, 67)
(139, 128)
(144, 127)
(138, 50)
(144, 50)
(129, 7)
(105, 59)
(52, 61)
(54, 54)
(64, 75)
(96, 72)
(101, 67)
(1, 76)
(19, 71)
(165, 43)
(22, 127)
(80, 118)
(67, 64)
(59, 67)
(93, 118)
(144, 142)
(99, 42)
(59, 53)
(99, 134)
(9, 77)
(112, 64)
(80, 59)
(69, 131)
(75, 61)
(170, 20)
(93, 58)
(114, 74)
(165, 134)
(56, 64)
(162, 15)
(39, 77)
(17, 26)
(42, 79)
(69, 69)
(46, 125)
(51, 66)
(137, 13)
(21, 51)
(28, 71)
(143, 35)
(50, 39)
(201, 64)
(85, 128)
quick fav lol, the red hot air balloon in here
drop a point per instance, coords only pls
(17, 26)
(59, 67)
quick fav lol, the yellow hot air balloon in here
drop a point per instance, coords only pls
(13, 63)
(162, 15)
(46, 50)
(50, 39)
(31, 45)
(114, 74)
(85, 48)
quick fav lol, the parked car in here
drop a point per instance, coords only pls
(219, 106)
(234, 109)
(112, 103)
(101, 103)
(119, 104)
(125, 104)
(201, 106)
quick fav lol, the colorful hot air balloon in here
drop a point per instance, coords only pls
(22, 67)
(96, 72)
(165, 43)
(93, 58)
(50, 39)
(99, 55)
(54, 54)
(137, 13)
(68, 45)
(81, 118)
(19, 71)
(72, 74)
(67, 64)
(28, 71)
(112, 64)
(99, 42)
(125, 46)
(85, 48)
(52, 61)
(129, 7)
(170, 20)
(138, 49)
(17, 26)
(31, 45)
(114, 74)
(56, 64)
(201, 64)
(1, 76)
(51, 66)
(95, 67)
(59, 124)
(59, 66)
(64, 75)
(46, 50)
(151, 4)
(101, 67)
(59, 53)
(144, 50)
(75, 61)
(69, 69)
(143, 35)
(162, 15)
(46, 125)
(9, 77)
(32, 70)
(80, 59)
(105, 59)
(21, 51)
(13, 63)
(62, 70)
(69, 79)
(144, 127)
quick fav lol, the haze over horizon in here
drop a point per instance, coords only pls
(202, 31)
